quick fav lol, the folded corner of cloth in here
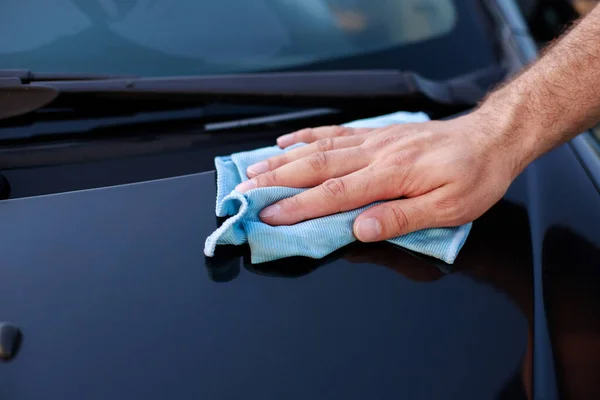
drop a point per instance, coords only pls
(314, 238)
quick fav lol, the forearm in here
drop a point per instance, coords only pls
(554, 99)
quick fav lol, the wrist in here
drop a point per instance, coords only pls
(509, 126)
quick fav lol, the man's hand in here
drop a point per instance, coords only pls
(440, 174)
(437, 174)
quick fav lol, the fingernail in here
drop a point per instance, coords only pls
(285, 140)
(270, 211)
(368, 230)
(258, 168)
(245, 186)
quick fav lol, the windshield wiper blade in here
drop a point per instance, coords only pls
(335, 89)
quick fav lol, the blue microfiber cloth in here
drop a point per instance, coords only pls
(313, 238)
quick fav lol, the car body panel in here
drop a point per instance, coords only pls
(115, 300)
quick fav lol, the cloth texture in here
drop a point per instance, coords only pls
(314, 238)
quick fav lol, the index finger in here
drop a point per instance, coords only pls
(332, 196)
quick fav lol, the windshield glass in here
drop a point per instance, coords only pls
(183, 37)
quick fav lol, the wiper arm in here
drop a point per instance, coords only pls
(19, 95)
(336, 89)
(26, 76)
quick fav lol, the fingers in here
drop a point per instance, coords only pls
(321, 145)
(399, 217)
(332, 196)
(311, 170)
(310, 135)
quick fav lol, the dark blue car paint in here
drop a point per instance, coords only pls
(113, 295)
(116, 300)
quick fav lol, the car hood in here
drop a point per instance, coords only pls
(116, 299)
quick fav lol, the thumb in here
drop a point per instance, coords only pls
(396, 218)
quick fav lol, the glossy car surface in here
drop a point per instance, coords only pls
(129, 307)
(102, 269)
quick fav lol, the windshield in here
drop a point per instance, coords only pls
(191, 37)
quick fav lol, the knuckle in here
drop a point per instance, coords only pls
(275, 162)
(403, 158)
(317, 161)
(399, 218)
(333, 188)
(290, 204)
(304, 135)
(268, 178)
(446, 204)
(325, 144)
(380, 142)
(451, 210)
(339, 131)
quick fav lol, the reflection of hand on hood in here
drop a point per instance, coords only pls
(29, 24)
